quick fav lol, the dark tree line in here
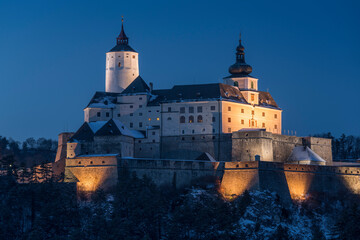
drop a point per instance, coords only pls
(138, 209)
(344, 147)
(30, 152)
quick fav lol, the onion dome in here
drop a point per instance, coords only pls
(240, 67)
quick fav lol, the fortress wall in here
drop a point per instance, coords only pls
(177, 173)
(238, 177)
(114, 144)
(92, 173)
(63, 138)
(283, 146)
(322, 147)
(246, 145)
(192, 146)
(315, 180)
(146, 149)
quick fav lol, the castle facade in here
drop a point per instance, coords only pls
(183, 133)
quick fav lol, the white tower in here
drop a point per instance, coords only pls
(122, 65)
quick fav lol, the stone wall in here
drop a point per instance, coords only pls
(287, 180)
(274, 147)
(192, 146)
(92, 172)
(174, 173)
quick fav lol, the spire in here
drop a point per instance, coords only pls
(240, 66)
(122, 39)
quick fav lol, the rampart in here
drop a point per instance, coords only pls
(294, 181)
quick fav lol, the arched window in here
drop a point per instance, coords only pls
(191, 119)
(199, 119)
(252, 84)
(119, 64)
(182, 119)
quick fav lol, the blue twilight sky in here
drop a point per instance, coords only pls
(52, 56)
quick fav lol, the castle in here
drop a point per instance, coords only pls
(177, 136)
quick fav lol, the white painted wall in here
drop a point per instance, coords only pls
(121, 69)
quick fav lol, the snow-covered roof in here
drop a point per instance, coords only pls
(128, 132)
(302, 153)
(95, 126)
(103, 128)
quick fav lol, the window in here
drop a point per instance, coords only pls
(158, 119)
(169, 109)
(118, 115)
(140, 98)
(119, 64)
(263, 114)
(252, 97)
(133, 56)
(131, 125)
(275, 116)
(229, 130)
(183, 131)
(98, 114)
(131, 114)
(91, 162)
(199, 119)
(193, 131)
(140, 114)
(191, 109)
(229, 119)
(182, 119)
(229, 109)
(253, 112)
(242, 110)
(263, 125)
(103, 161)
(131, 106)
(252, 123)
(275, 126)
(169, 118)
(213, 131)
(252, 84)
(140, 106)
(149, 119)
(213, 119)
(153, 133)
(199, 109)
(191, 119)
(153, 140)
(140, 124)
(212, 108)
(182, 110)
(242, 121)
(107, 114)
(80, 162)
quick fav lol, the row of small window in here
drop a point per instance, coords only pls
(91, 162)
(192, 119)
(252, 112)
(127, 56)
(193, 131)
(199, 109)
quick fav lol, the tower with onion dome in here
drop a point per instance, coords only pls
(240, 77)
(122, 64)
